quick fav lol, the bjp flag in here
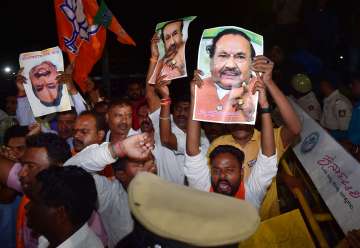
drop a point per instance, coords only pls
(81, 28)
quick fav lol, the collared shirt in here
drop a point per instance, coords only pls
(113, 200)
(82, 238)
(221, 92)
(169, 163)
(336, 112)
(130, 133)
(310, 105)
(198, 173)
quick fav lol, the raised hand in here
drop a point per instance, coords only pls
(66, 78)
(154, 47)
(20, 81)
(261, 88)
(162, 86)
(265, 66)
(196, 80)
(135, 147)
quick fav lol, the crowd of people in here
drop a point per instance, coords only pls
(65, 178)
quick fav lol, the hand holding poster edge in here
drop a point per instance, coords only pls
(215, 93)
(43, 91)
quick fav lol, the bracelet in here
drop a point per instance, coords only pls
(164, 118)
(112, 151)
(356, 149)
(265, 110)
(165, 101)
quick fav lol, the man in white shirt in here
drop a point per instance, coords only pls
(170, 130)
(135, 153)
(225, 174)
(63, 201)
(337, 109)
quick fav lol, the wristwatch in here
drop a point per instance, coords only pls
(265, 110)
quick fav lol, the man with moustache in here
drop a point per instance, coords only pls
(43, 150)
(119, 120)
(45, 85)
(172, 65)
(89, 129)
(225, 173)
(225, 97)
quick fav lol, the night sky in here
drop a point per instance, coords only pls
(30, 25)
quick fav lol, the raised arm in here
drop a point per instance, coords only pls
(167, 137)
(292, 123)
(193, 128)
(152, 98)
(95, 157)
(267, 130)
(24, 114)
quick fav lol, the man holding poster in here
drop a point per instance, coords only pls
(171, 39)
(227, 93)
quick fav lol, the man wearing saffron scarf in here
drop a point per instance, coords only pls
(225, 175)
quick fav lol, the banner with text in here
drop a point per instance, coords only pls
(332, 169)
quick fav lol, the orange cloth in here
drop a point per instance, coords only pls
(84, 43)
(21, 225)
(208, 106)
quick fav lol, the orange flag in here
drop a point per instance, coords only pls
(83, 38)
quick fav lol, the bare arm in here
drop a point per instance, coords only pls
(193, 128)
(292, 123)
(152, 98)
(167, 137)
(267, 130)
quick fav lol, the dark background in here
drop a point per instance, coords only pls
(30, 26)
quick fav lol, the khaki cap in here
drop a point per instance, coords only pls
(188, 215)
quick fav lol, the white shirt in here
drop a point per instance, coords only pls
(337, 111)
(221, 93)
(198, 174)
(130, 133)
(310, 105)
(82, 238)
(113, 199)
(170, 164)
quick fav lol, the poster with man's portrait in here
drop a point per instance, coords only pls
(171, 47)
(225, 56)
(45, 94)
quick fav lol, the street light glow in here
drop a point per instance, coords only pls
(7, 69)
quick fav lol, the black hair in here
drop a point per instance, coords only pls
(237, 153)
(70, 187)
(58, 150)
(72, 111)
(15, 132)
(99, 119)
(212, 47)
(120, 164)
(120, 103)
(177, 20)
